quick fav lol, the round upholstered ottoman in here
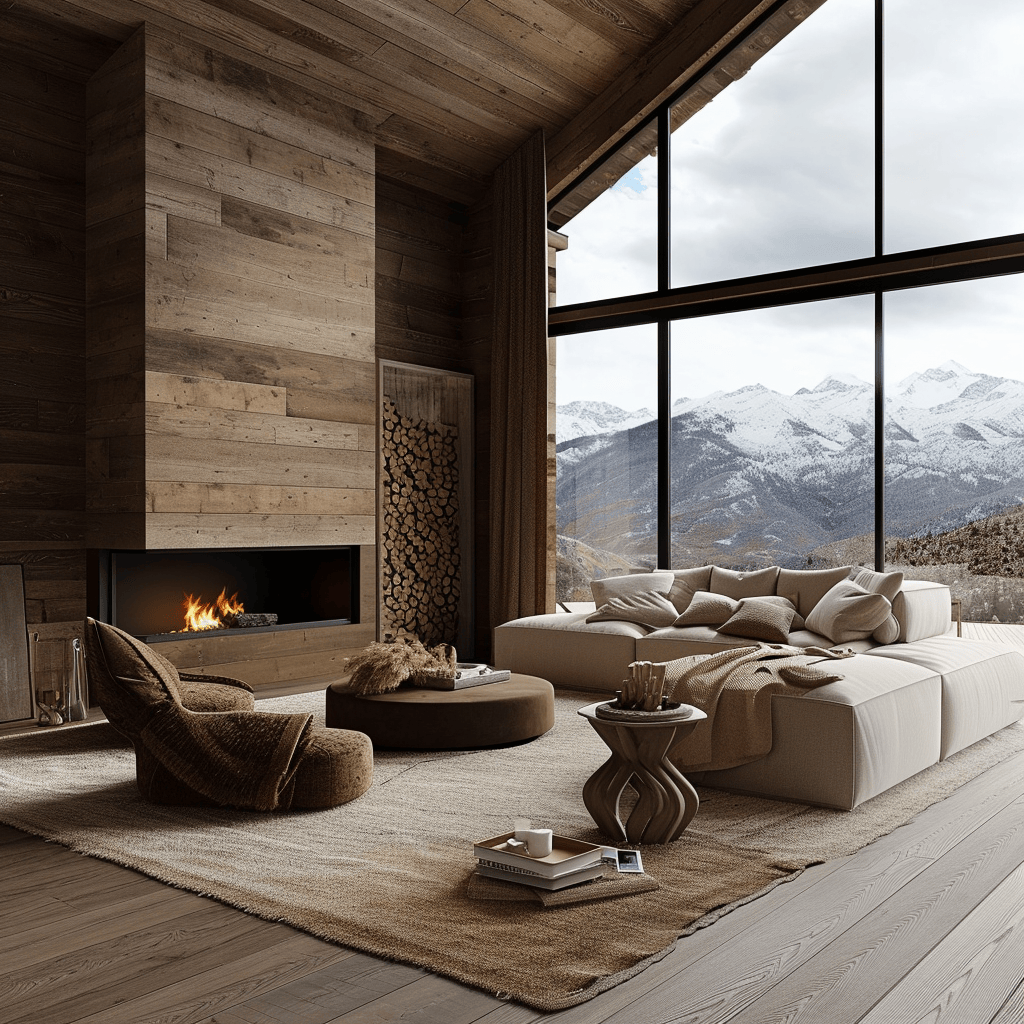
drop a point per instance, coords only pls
(412, 718)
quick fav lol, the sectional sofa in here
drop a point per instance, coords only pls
(912, 694)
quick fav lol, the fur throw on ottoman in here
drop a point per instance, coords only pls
(384, 666)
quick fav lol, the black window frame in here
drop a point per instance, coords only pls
(964, 261)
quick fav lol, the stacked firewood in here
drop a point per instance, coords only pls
(420, 531)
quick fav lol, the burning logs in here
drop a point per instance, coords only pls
(420, 539)
(248, 620)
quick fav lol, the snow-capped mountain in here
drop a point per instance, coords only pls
(755, 470)
(588, 419)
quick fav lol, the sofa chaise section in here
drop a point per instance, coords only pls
(567, 650)
(845, 742)
(982, 684)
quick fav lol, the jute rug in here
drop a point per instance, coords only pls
(388, 874)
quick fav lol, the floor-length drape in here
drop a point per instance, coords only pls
(518, 489)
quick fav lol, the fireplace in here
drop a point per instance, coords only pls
(144, 592)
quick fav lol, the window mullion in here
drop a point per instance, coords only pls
(664, 516)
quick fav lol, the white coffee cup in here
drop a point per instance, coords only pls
(538, 841)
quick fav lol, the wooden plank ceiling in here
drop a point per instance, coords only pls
(447, 88)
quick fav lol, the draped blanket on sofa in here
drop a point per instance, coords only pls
(734, 689)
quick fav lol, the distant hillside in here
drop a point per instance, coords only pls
(760, 477)
(987, 547)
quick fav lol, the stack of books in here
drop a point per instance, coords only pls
(467, 675)
(570, 862)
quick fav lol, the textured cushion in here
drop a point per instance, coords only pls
(848, 612)
(737, 585)
(888, 632)
(336, 766)
(887, 584)
(649, 609)
(761, 618)
(806, 587)
(687, 583)
(635, 583)
(707, 610)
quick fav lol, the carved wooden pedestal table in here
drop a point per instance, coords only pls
(640, 744)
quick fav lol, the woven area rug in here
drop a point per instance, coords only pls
(388, 873)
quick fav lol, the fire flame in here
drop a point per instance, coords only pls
(200, 616)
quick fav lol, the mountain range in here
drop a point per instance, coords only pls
(764, 477)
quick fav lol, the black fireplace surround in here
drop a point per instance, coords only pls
(143, 592)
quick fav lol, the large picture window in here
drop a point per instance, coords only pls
(773, 459)
(954, 423)
(607, 457)
(834, 285)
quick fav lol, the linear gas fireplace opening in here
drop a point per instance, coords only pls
(165, 595)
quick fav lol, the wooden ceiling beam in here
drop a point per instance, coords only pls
(690, 46)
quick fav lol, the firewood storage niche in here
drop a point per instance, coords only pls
(426, 502)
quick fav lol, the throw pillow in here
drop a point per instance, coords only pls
(887, 584)
(888, 632)
(687, 583)
(707, 610)
(604, 590)
(737, 585)
(848, 612)
(806, 587)
(761, 618)
(650, 609)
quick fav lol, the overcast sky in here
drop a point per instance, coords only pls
(777, 172)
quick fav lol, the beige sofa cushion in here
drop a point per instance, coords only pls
(885, 583)
(922, 609)
(848, 612)
(567, 650)
(737, 585)
(648, 609)
(687, 583)
(888, 585)
(604, 590)
(806, 587)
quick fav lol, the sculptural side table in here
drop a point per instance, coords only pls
(640, 745)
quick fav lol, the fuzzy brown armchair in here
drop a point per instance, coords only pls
(230, 758)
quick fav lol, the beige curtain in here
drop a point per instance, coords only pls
(518, 489)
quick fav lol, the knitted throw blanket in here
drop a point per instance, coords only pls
(734, 689)
(237, 758)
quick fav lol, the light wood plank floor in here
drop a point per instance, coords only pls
(926, 924)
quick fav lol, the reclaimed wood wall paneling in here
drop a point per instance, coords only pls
(42, 327)
(262, 273)
(115, 285)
